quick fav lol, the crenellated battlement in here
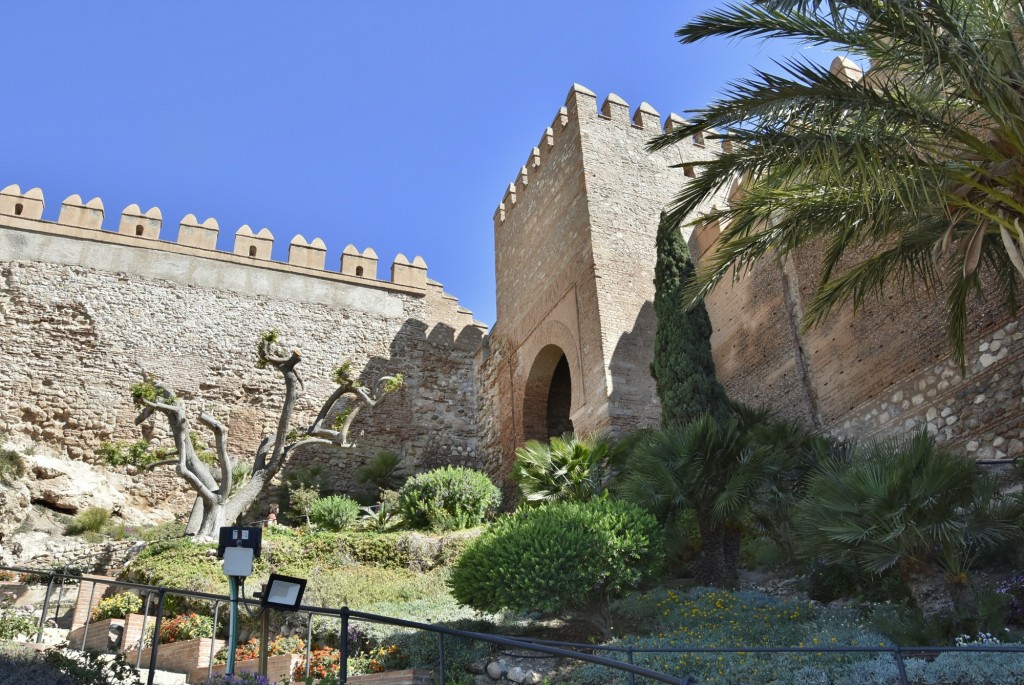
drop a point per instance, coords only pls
(77, 216)
(581, 106)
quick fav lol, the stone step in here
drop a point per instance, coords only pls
(163, 677)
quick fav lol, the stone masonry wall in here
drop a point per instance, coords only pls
(83, 319)
(883, 370)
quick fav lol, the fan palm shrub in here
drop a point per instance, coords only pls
(912, 174)
(569, 468)
(708, 466)
(908, 504)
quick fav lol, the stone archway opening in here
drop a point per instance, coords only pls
(547, 403)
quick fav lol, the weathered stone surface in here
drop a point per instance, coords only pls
(82, 321)
(71, 486)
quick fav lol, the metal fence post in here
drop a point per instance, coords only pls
(629, 660)
(440, 651)
(142, 636)
(156, 635)
(343, 666)
(88, 613)
(216, 618)
(46, 609)
(264, 640)
(898, 653)
(309, 640)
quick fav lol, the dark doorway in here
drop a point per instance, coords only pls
(547, 403)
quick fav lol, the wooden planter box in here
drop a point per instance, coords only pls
(181, 657)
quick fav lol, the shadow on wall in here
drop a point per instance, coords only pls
(431, 420)
(633, 401)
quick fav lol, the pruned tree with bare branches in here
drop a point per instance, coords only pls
(220, 501)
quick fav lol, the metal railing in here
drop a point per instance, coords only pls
(587, 653)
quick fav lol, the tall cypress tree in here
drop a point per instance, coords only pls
(683, 367)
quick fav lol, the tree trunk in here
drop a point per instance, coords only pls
(718, 563)
(931, 592)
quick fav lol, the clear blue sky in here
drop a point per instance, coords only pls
(395, 125)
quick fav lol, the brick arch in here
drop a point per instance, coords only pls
(551, 389)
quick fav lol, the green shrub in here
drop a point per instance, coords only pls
(178, 563)
(15, 620)
(560, 557)
(302, 500)
(448, 498)
(12, 466)
(117, 606)
(91, 520)
(93, 668)
(335, 513)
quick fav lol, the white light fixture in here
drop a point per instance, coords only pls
(283, 592)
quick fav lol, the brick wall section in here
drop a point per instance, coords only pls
(83, 320)
(90, 591)
(279, 668)
(180, 657)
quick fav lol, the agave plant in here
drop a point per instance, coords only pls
(906, 503)
(910, 173)
(569, 468)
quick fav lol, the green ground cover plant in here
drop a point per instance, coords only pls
(710, 617)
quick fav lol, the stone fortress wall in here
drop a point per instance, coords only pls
(85, 312)
(574, 258)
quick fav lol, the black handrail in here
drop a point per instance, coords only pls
(572, 650)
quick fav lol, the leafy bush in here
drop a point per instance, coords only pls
(15, 620)
(185, 627)
(302, 500)
(178, 563)
(334, 513)
(117, 606)
(117, 453)
(92, 668)
(251, 649)
(322, 662)
(91, 520)
(560, 557)
(21, 664)
(569, 468)
(12, 465)
(1014, 589)
(448, 498)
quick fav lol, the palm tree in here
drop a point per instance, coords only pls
(708, 466)
(907, 504)
(569, 468)
(912, 173)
